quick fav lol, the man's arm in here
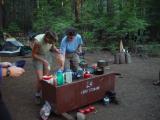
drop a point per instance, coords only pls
(11, 71)
(5, 64)
(79, 49)
(63, 51)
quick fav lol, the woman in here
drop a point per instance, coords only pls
(42, 54)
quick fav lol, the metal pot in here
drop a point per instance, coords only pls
(102, 63)
(99, 71)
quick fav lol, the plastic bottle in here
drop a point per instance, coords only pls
(45, 111)
(68, 76)
(106, 100)
(60, 79)
(80, 73)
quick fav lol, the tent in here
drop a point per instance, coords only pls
(12, 47)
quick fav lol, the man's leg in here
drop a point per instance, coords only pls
(67, 62)
(76, 61)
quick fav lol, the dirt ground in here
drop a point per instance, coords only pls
(139, 99)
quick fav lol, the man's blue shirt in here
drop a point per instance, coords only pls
(70, 46)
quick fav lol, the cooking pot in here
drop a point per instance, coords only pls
(102, 63)
(99, 71)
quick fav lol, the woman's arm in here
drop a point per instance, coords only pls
(35, 53)
(60, 60)
(55, 49)
(59, 56)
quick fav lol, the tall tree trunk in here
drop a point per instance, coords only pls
(1, 14)
(77, 5)
(100, 6)
(38, 4)
(109, 8)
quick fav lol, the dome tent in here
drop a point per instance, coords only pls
(12, 47)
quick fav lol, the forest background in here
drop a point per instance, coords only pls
(102, 23)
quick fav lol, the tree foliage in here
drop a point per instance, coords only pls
(100, 21)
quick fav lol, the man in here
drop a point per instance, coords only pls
(71, 47)
(7, 70)
(43, 45)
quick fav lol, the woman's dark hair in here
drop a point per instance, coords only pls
(71, 31)
(51, 35)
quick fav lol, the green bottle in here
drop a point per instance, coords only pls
(60, 79)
